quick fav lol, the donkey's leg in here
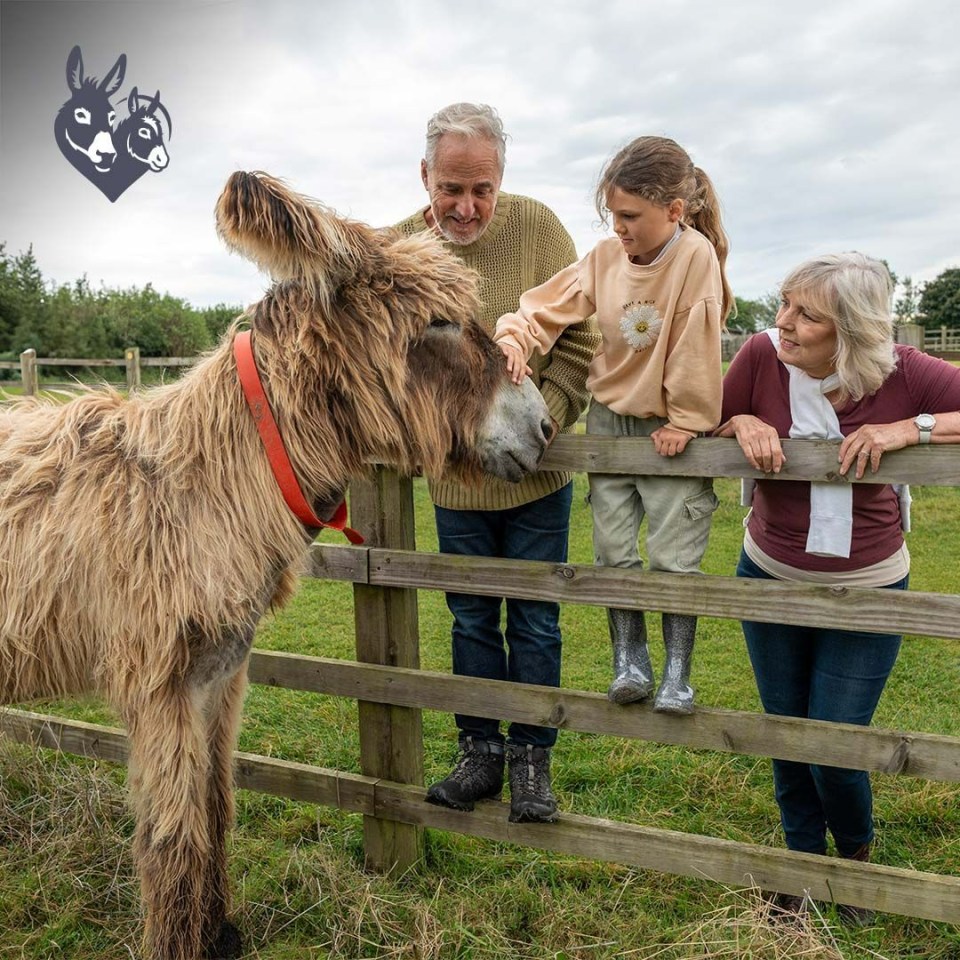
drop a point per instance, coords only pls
(223, 710)
(169, 775)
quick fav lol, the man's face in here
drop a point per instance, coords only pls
(463, 185)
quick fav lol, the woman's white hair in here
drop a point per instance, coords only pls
(467, 120)
(854, 291)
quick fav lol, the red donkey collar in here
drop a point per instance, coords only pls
(273, 444)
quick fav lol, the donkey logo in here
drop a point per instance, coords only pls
(111, 155)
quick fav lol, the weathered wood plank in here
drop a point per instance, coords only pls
(80, 362)
(334, 562)
(388, 633)
(929, 756)
(933, 465)
(888, 889)
(853, 608)
(67, 736)
(299, 781)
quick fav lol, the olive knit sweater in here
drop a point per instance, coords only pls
(524, 245)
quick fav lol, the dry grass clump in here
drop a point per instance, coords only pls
(67, 884)
(748, 927)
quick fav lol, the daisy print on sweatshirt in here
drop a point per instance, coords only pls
(640, 324)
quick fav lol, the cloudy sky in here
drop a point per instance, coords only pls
(824, 125)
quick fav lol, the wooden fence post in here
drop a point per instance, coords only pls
(132, 356)
(387, 632)
(910, 334)
(28, 372)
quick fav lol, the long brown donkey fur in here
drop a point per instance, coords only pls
(142, 539)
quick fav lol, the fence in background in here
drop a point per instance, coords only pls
(29, 364)
(943, 342)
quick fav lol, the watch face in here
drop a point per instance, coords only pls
(925, 421)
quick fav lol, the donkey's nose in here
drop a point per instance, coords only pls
(550, 429)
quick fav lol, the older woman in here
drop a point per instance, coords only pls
(830, 370)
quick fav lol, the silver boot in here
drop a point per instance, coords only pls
(632, 672)
(675, 694)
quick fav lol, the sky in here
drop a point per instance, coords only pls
(824, 124)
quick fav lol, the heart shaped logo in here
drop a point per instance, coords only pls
(110, 155)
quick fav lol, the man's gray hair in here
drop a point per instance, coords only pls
(468, 120)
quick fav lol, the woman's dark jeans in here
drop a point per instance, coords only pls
(822, 674)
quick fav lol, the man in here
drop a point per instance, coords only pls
(515, 243)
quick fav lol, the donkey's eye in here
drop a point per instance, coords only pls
(439, 322)
(144, 132)
(111, 116)
(81, 115)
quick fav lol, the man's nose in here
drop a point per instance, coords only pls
(466, 208)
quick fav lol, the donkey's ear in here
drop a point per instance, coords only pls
(75, 69)
(132, 102)
(290, 236)
(111, 82)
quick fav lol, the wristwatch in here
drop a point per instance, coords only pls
(925, 424)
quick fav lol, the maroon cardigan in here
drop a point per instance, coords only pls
(757, 384)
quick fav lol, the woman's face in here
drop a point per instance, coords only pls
(808, 340)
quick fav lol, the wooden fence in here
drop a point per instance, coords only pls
(946, 342)
(942, 341)
(29, 364)
(392, 691)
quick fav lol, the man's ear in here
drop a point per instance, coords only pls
(423, 174)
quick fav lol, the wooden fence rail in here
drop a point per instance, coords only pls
(131, 361)
(392, 691)
(943, 341)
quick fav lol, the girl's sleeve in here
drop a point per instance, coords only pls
(691, 375)
(545, 312)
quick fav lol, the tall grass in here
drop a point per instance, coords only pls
(67, 887)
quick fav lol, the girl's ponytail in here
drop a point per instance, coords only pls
(703, 214)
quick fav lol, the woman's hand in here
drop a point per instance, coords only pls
(868, 443)
(668, 442)
(758, 441)
(517, 368)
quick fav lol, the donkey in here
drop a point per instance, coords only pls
(143, 538)
(139, 142)
(84, 125)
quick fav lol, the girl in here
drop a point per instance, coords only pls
(661, 297)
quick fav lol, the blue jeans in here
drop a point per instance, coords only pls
(821, 674)
(533, 531)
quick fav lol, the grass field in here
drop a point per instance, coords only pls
(67, 887)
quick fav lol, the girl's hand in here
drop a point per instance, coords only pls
(669, 442)
(758, 441)
(517, 368)
(868, 443)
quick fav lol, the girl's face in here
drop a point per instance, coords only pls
(643, 227)
(808, 339)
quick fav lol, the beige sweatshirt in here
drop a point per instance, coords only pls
(660, 324)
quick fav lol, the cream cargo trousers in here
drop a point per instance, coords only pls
(678, 509)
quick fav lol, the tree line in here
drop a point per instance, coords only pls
(74, 320)
(933, 304)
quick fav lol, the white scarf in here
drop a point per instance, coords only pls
(813, 416)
